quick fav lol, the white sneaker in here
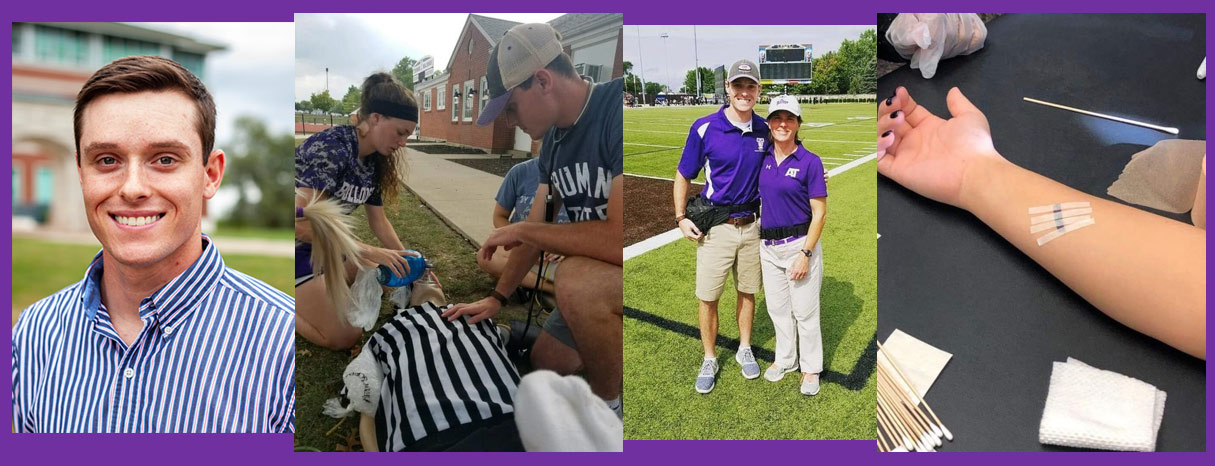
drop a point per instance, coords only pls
(774, 374)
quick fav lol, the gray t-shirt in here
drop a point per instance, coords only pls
(518, 189)
(579, 162)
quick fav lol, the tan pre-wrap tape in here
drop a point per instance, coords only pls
(1165, 176)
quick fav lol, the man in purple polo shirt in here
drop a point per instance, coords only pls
(729, 145)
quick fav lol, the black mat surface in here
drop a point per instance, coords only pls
(947, 279)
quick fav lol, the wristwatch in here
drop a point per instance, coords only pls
(807, 252)
(498, 296)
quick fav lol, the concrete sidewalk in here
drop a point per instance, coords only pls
(462, 196)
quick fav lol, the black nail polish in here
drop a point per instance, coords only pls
(894, 114)
(889, 100)
(887, 133)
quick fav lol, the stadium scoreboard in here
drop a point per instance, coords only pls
(786, 64)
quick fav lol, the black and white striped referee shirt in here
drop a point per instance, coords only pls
(438, 375)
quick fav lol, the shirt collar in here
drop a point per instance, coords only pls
(172, 301)
(757, 123)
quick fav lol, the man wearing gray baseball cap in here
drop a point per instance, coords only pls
(729, 145)
(532, 84)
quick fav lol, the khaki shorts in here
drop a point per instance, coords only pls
(727, 248)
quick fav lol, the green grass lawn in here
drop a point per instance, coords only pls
(318, 373)
(282, 234)
(660, 365)
(654, 136)
(41, 268)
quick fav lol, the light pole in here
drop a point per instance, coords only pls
(696, 60)
(641, 61)
(667, 50)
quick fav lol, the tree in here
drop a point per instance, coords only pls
(261, 175)
(304, 105)
(652, 89)
(857, 64)
(351, 100)
(706, 81)
(322, 101)
(404, 72)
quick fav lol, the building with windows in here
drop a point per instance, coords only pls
(453, 97)
(51, 61)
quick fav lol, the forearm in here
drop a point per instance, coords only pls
(815, 231)
(601, 240)
(521, 259)
(384, 231)
(1141, 269)
(681, 193)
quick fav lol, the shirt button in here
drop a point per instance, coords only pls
(129, 373)
(168, 330)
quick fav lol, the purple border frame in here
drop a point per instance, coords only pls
(272, 449)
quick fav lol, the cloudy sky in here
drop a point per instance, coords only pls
(250, 77)
(668, 62)
(353, 46)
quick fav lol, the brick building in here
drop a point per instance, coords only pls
(51, 61)
(452, 99)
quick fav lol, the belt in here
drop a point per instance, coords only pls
(778, 242)
(740, 221)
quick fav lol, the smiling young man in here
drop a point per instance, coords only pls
(159, 336)
(729, 145)
(533, 85)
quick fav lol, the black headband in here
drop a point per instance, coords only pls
(383, 107)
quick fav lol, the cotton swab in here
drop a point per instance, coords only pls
(1166, 129)
(931, 430)
(883, 375)
(895, 365)
(915, 429)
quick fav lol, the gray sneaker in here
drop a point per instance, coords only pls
(809, 388)
(707, 377)
(750, 368)
(775, 373)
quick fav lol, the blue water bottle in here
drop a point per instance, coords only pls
(417, 267)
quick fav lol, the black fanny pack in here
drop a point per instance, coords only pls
(706, 215)
(784, 232)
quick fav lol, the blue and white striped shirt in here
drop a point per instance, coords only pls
(216, 354)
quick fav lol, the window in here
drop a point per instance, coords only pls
(442, 99)
(470, 45)
(192, 61)
(44, 185)
(426, 100)
(17, 38)
(469, 99)
(113, 48)
(455, 102)
(588, 70)
(484, 95)
(61, 46)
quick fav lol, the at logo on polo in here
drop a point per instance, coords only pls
(792, 173)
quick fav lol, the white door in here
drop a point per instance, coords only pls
(523, 142)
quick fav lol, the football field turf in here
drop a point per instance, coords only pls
(654, 136)
(662, 351)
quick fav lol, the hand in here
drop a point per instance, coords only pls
(486, 308)
(553, 258)
(507, 237)
(928, 154)
(689, 230)
(801, 265)
(392, 259)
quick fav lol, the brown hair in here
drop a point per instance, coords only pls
(561, 66)
(148, 73)
(383, 87)
(796, 140)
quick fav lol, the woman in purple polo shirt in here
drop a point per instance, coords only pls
(794, 197)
